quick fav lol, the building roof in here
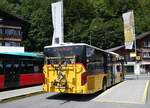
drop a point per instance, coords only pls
(24, 23)
(3, 13)
(137, 38)
(115, 48)
(143, 35)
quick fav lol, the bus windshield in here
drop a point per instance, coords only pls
(66, 51)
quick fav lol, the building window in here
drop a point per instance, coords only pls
(147, 44)
(12, 44)
(146, 54)
(13, 32)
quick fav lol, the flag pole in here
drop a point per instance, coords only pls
(62, 18)
(130, 38)
(135, 48)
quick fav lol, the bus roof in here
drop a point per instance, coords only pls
(77, 44)
(73, 44)
(28, 54)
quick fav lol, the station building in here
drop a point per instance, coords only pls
(13, 29)
(142, 60)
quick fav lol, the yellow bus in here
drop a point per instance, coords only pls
(80, 69)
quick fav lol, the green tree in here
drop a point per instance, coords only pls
(99, 19)
(39, 15)
(5, 5)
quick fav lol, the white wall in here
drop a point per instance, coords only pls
(11, 49)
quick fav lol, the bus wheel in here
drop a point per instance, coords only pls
(104, 85)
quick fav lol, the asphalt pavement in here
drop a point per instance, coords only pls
(52, 100)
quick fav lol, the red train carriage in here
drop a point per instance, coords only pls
(20, 70)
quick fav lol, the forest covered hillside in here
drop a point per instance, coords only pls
(100, 19)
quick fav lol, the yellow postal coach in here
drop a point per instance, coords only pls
(80, 69)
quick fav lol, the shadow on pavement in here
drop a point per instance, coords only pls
(74, 97)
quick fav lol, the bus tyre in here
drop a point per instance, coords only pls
(104, 86)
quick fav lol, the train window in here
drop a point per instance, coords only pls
(1, 67)
(16, 67)
(36, 68)
(26, 66)
(30, 67)
(23, 69)
(40, 67)
(8, 67)
(11, 66)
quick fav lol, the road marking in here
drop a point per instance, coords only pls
(145, 92)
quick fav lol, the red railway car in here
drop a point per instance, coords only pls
(20, 70)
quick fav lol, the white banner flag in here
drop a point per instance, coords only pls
(129, 29)
(57, 17)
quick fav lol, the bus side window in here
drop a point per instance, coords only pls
(90, 59)
(95, 60)
(1, 67)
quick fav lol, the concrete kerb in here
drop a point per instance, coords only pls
(19, 92)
